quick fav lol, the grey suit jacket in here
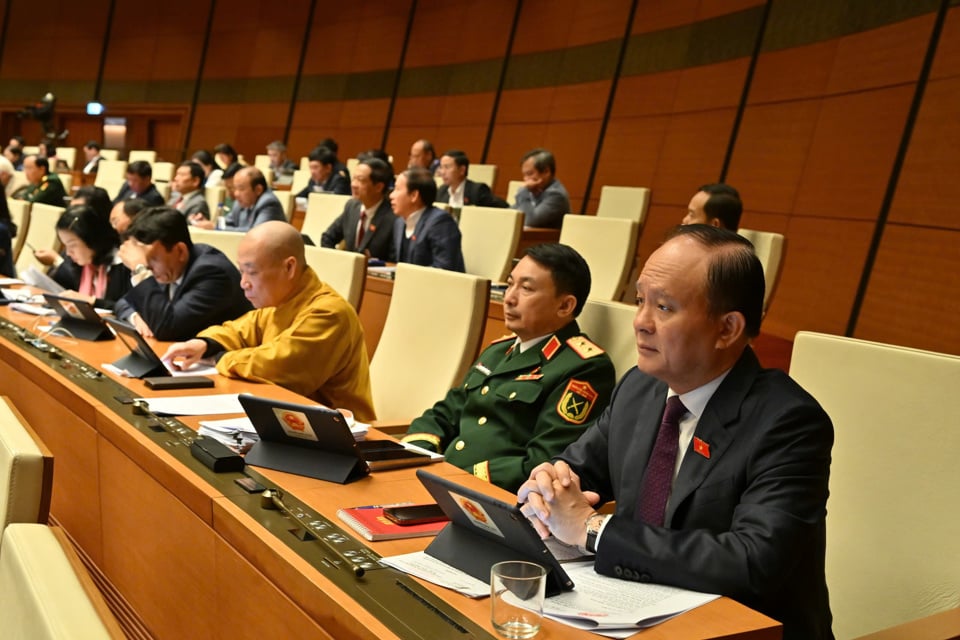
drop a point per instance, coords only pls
(194, 202)
(267, 207)
(746, 517)
(546, 209)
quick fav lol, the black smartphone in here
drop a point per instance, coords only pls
(415, 514)
(249, 484)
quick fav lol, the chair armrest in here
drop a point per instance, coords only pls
(390, 427)
(940, 626)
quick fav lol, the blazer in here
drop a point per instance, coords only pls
(474, 193)
(69, 273)
(209, 293)
(378, 239)
(336, 183)
(267, 207)
(151, 196)
(746, 517)
(435, 241)
(194, 202)
(546, 209)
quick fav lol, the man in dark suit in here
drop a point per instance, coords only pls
(189, 198)
(366, 224)
(324, 178)
(542, 198)
(181, 287)
(457, 190)
(727, 492)
(91, 153)
(423, 234)
(139, 184)
(717, 204)
(254, 203)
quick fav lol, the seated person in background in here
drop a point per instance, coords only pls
(531, 394)
(45, 187)
(422, 154)
(254, 203)
(380, 154)
(282, 166)
(212, 172)
(189, 198)
(15, 156)
(719, 468)
(339, 167)
(302, 336)
(92, 157)
(542, 198)
(323, 176)
(139, 184)
(8, 231)
(47, 149)
(91, 269)
(423, 234)
(182, 287)
(718, 205)
(457, 189)
(366, 224)
(122, 216)
(226, 156)
(6, 175)
(96, 197)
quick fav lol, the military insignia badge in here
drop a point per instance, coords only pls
(577, 401)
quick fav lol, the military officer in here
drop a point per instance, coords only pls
(529, 394)
(45, 187)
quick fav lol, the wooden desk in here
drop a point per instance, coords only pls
(174, 542)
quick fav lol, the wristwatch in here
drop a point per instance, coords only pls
(593, 524)
(140, 269)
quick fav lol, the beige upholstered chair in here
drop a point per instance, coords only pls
(47, 592)
(262, 162)
(610, 325)
(41, 234)
(109, 154)
(301, 179)
(226, 241)
(164, 189)
(352, 164)
(431, 335)
(769, 247)
(512, 187)
(26, 471)
(286, 202)
(111, 175)
(624, 202)
(30, 150)
(17, 182)
(66, 180)
(163, 171)
(609, 245)
(485, 173)
(322, 210)
(68, 155)
(214, 197)
(893, 530)
(20, 214)
(304, 164)
(489, 240)
(345, 271)
(146, 155)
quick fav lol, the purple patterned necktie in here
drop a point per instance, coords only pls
(658, 477)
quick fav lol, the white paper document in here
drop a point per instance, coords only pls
(6, 282)
(210, 405)
(428, 568)
(40, 280)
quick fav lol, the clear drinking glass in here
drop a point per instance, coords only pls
(517, 589)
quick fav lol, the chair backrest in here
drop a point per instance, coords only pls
(66, 180)
(345, 271)
(512, 187)
(322, 210)
(17, 182)
(41, 234)
(769, 248)
(893, 534)
(109, 154)
(610, 325)
(304, 164)
(141, 154)
(262, 162)
(164, 189)
(214, 197)
(26, 470)
(68, 155)
(47, 592)
(301, 179)
(489, 240)
(163, 171)
(352, 164)
(111, 175)
(624, 202)
(609, 245)
(435, 321)
(286, 201)
(20, 214)
(485, 173)
(30, 150)
(226, 241)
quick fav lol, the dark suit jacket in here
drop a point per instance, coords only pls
(747, 522)
(209, 294)
(336, 183)
(474, 193)
(151, 196)
(68, 275)
(378, 239)
(435, 241)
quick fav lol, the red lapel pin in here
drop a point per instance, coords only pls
(701, 447)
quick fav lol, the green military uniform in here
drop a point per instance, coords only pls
(49, 191)
(515, 410)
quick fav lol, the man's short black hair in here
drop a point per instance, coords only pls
(163, 224)
(93, 229)
(203, 157)
(231, 171)
(380, 171)
(329, 143)
(51, 148)
(323, 155)
(16, 151)
(40, 162)
(196, 170)
(542, 160)
(735, 279)
(19, 140)
(96, 197)
(92, 144)
(427, 147)
(141, 168)
(724, 204)
(459, 158)
(570, 272)
(421, 181)
(226, 149)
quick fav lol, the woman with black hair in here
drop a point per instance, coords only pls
(90, 268)
(8, 231)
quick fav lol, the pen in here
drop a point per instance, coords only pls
(383, 506)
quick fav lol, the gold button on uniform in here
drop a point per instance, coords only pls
(513, 394)
(485, 389)
(460, 445)
(482, 421)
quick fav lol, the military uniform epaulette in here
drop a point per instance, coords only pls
(583, 347)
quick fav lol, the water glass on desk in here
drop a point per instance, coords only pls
(517, 590)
